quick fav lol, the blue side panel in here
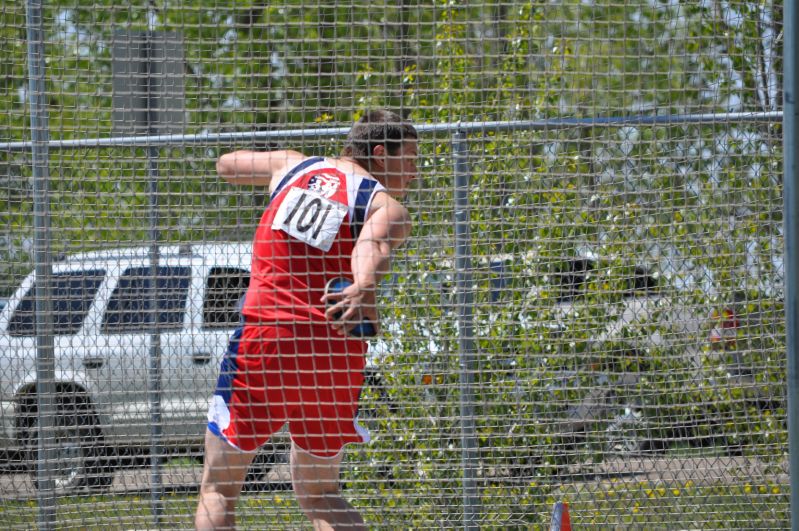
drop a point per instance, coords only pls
(228, 367)
(362, 198)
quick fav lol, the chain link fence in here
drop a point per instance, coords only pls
(590, 309)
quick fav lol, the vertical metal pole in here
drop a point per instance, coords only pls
(463, 268)
(791, 190)
(45, 362)
(154, 368)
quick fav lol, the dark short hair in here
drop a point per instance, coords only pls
(374, 128)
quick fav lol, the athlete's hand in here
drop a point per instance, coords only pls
(351, 307)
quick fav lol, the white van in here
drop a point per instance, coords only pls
(102, 311)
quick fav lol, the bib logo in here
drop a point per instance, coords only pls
(324, 184)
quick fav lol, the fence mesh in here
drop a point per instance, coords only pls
(622, 347)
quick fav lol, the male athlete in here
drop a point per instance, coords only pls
(292, 361)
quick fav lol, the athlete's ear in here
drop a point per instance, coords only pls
(379, 157)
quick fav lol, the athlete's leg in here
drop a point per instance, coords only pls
(316, 484)
(224, 471)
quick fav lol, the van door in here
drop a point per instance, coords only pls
(125, 337)
(216, 315)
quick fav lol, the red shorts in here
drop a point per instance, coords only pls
(298, 374)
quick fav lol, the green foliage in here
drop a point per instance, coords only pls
(699, 205)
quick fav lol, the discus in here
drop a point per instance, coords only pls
(363, 329)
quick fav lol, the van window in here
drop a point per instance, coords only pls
(73, 295)
(130, 308)
(224, 294)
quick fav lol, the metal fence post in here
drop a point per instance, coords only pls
(463, 268)
(791, 217)
(45, 345)
(154, 366)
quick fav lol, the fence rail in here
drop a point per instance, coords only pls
(465, 127)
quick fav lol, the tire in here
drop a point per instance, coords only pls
(256, 479)
(81, 459)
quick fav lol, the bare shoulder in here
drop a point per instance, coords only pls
(382, 199)
(282, 162)
(386, 210)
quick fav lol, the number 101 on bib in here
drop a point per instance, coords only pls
(310, 218)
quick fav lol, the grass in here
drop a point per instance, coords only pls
(272, 510)
(609, 504)
(686, 506)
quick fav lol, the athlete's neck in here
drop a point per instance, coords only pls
(358, 165)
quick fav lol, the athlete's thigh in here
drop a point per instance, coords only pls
(312, 475)
(224, 467)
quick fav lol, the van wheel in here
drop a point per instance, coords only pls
(80, 457)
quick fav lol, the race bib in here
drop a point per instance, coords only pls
(310, 218)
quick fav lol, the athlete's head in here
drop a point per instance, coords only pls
(386, 146)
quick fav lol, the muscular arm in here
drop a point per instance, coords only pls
(386, 228)
(256, 168)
